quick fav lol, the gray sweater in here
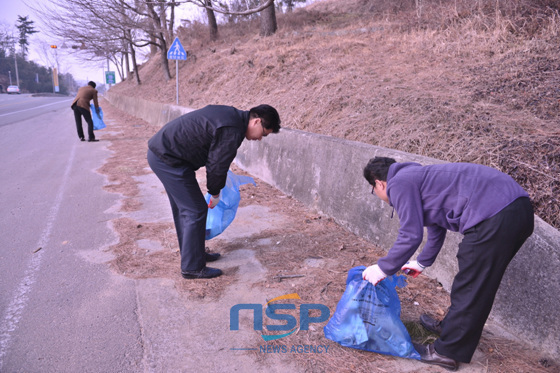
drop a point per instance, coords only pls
(452, 196)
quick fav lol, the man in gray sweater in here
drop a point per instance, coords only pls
(487, 206)
(208, 137)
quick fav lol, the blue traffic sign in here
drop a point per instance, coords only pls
(176, 51)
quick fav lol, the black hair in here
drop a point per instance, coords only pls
(92, 83)
(269, 116)
(377, 169)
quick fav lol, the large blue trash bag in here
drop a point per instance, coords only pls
(98, 123)
(221, 216)
(368, 317)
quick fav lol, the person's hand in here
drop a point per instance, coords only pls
(373, 274)
(213, 201)
(413, 268)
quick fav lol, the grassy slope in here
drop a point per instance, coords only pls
(465, 84)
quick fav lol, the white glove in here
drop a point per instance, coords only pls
(213, 201)
(373, 274)
(413, 268)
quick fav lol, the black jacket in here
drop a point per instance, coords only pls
(207, 137)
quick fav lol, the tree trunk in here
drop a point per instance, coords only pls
(164, 60)
(289, 6)
(134, 64)
(127, 65)
(119, 68)
(212, 24)
(162, 34)
(171, 34)
(268, 21)
(125, 56)
(153, 46)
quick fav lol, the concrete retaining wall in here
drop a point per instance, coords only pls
(325, 173)
(151, 112)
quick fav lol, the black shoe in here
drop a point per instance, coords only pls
(431, 324)
(93, 140)
(211, 257)
(82, 139)
(429, 355)
(205, 272)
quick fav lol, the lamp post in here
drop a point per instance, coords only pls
(15, 60)
(55, 70)
(10, 75)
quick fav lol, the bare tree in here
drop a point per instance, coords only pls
(87, 25)
(7, 40)
(129, 39)
(159, 30)
(268, 21)
(212, 24)
(268, 15)
(224, 9)
(288, 4)
(114, 28)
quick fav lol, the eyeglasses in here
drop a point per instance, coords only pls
(264, 134)
(372, 189)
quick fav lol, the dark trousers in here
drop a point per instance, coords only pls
(78, 113)
(483, 257)
(189, 210)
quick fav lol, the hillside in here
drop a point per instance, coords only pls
(466, 84)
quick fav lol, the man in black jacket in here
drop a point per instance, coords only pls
(209, 138)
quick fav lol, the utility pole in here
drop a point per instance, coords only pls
(10, 74)
(17, 75)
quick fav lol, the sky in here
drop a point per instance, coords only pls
(39, 44)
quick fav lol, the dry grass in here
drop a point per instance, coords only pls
(462, 81)
(312, 247)
(455, 82)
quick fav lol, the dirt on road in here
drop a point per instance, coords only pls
(276, 246)
(469, 83)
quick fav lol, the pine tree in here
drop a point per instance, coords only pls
(25, 27)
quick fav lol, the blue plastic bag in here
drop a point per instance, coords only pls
(368, 317)
(98, 123)
(221, 216)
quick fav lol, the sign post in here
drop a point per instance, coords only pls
(176, 52)
(56, 89)
(55, 80)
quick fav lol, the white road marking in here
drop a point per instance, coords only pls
(33, 108)
(12, 316)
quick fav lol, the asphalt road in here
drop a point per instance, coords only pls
(61, 309)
